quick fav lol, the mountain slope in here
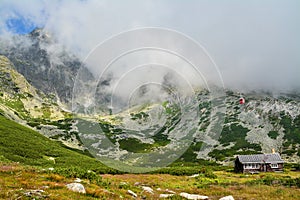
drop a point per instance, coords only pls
(21, 97)
(41, 66)
(29, 106)
(21, 144)
(43, 62)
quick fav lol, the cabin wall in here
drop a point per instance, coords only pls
(239, 167)
(253, 164)
(280, 167)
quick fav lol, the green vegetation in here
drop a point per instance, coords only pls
(273, 134)
(140, 115)
(190, 155)
(237, 134)
(77, 172)
(291, 134)
(178, 170)
(21, 144)
(291, 128)
(273, 180)
(234, 133)
(134, 145)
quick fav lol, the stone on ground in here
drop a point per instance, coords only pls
(227, 198)
(192, 196)
(76, 187)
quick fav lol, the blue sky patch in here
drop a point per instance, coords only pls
(20, 25)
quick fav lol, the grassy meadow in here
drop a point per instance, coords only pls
(30, 161)
(17, 179)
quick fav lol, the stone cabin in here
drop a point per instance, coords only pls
(258, 163)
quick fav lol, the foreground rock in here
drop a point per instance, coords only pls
(170, 191)
(166, 195)
(147, 189)
(192, 196)
(194, 175)
(35, 194)
(76, 187)
(227, 198)
(132, 193)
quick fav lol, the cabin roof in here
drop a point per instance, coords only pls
(260, 158)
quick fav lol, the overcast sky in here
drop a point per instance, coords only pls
(255, 44)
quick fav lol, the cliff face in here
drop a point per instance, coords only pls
(43, 62)
(19, 96)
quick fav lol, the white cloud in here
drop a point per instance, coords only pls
(255, 43)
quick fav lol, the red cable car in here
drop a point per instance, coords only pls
(242, 100)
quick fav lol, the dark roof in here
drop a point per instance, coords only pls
(260, 158)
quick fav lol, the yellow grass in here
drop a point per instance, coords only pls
(15, 180)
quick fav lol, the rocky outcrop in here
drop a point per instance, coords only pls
(46, 64)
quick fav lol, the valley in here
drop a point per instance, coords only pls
(46, 142)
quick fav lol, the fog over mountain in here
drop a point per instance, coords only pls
(255, 44)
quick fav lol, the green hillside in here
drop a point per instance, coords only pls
(21, 144)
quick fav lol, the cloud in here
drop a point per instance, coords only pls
(255, 43)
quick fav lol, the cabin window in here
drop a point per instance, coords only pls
(252, 166)
(274, 165)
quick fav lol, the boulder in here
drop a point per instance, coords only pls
(132, 193)
(137, 183)
(165, 195)
(170, 191)
(192, 196)
(35, 194)
(227, 198)
(76, 187)
(147, 189)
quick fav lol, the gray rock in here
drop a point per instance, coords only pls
(170, 191)
(194, 175)
(192, 196)
(147, 189)
(132, 193)
(76, 187)
(35, 194)
(165, 195)
(227, 198)
(137, 183)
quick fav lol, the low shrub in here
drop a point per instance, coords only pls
(76, 172)
(271, 180)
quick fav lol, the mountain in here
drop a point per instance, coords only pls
(21, 144)
(43, 62)
(37, 78)
(27, 105)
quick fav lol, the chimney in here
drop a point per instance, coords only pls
(273, 150)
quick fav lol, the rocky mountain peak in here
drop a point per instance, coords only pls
(41, 35)
(45, 64)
